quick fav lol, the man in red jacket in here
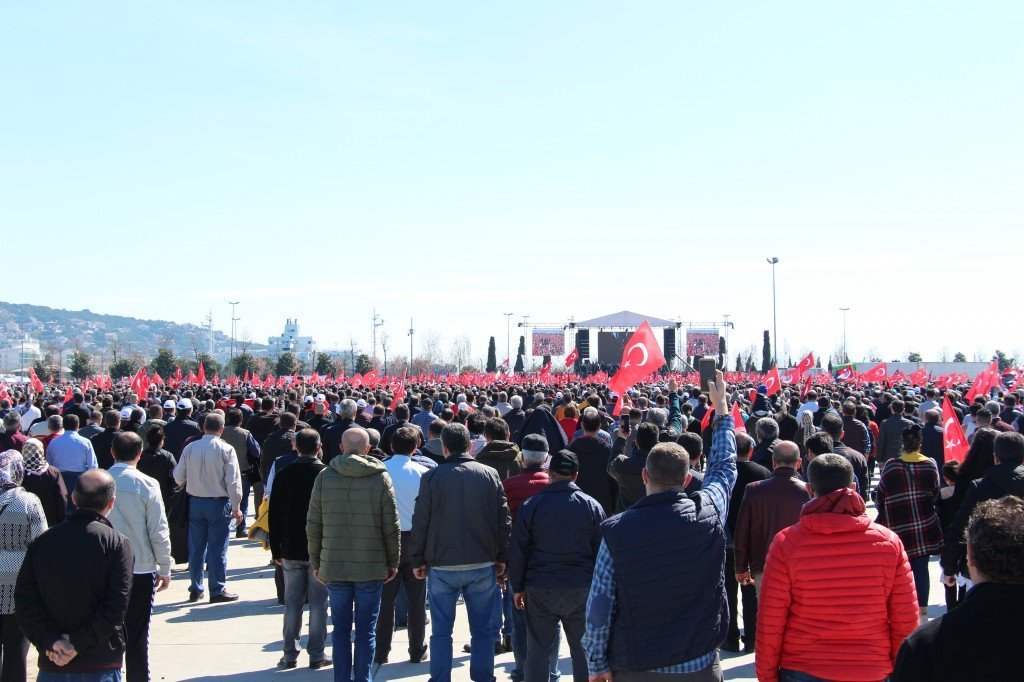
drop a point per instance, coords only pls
(837, 597)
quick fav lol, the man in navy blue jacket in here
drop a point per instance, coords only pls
(551, 562)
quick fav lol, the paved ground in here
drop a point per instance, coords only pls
(242, 641)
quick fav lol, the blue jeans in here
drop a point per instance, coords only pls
(504, 615)
(244, 504)
(209, 525)
(797, 676)
(365, 598)
(103, 676)
(70, 481)
(479, 587)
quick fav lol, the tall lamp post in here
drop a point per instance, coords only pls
(773, 261)
(233, 320)
(508, 337)
(846, 354)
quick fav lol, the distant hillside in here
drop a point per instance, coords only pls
(99, 334)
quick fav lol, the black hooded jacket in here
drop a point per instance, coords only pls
(1005, 478)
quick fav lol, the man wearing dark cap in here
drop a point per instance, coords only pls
(554, 545)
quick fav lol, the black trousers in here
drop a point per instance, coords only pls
(732, 588)
(545, 609)
(416, 592)
(136, 627)
(13, 649)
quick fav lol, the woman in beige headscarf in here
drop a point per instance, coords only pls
(44, 481)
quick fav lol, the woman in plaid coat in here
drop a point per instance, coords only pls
(908, 492)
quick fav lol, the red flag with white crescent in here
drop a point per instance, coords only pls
(772, 381)
(572, 357)
(641, 357)
(954, 442)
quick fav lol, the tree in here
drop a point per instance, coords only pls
(520, 354)
(1004, 361)
(766, 352)
(492, 356)
(721, 352)
(750, 363)
(287, 364)
(830, 365)
(324, 364)
(125, 367)
(81, 365)
(914, 356)
(211, 366)
(817, 362)
(959, 357)
(739, 362)
(363, 364)
(243, 363)
(461, 351)
(164, 363)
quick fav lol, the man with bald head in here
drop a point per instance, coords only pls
(352, 533)
(75, 618)
(768, 506)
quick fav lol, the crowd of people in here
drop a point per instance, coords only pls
(653, 530)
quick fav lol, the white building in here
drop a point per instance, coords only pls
(302, 347)
(18, 354)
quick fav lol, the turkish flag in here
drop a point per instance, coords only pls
(201, 377)
(954, 442)
(4, 395)
(706, 421)
(399, 393)
(803, 366)
(876, 373)
(640, 358)
(37, 384)
(846, 373)
(177, 373)
(157, 379)
(69, 395)
(737, 417)
(807, 387)
(246, 377)
(572, 357)
(984, 382)
(772, 381)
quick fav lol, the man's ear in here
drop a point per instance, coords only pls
(644, 475)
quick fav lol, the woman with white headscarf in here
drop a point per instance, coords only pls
(22, 520)
(43, 480)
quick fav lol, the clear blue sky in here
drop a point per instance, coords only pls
(453, 161)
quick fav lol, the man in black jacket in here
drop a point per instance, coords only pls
(980, 638)
(551, 563)
(332, 433)
(279, 443)
(1005, 478)
(931, 437)
(767, 433)
(75, 618)
(746, 472)
(627, 470)
(180, 429)
(593, 453)
(462, 499)
(102, 441)
(833, 425)
(289, 504)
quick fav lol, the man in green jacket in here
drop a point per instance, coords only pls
(353, 534)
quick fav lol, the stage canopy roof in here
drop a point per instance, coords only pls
(625, 319)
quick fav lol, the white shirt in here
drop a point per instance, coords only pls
(503, 408)
(30, 414)
(405, 477)
(810, 406)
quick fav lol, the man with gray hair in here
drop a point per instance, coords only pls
(208, 470)
(767, 433)
(515, 417)
(332, 433)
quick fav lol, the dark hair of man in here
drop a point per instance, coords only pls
(51, 410)
(401, 412)
(667, 465)
(591, 421)
(126, 446)
(646, 436)
(832, 424)
(692, 443)
(306, 442)
(111, 419)
(71, 422)
(1009, 447)
(155, 411)
(267, 404)
(828, 473)
(95, 496)
(78, 398)
(95, 416)
(154, 436)
(455, 438)
(911, 438)
(233, 417)
(475, 423)
(496, 429)
(995, 535)
(950, 469)
(820, 444)
(447, 415)
(898, 406)
(288, 420)
(436, 427)
(1010, 400)
(849, 408)
(744, 444)
(404, 440)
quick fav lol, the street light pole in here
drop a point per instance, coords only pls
(233, 320)
(411, 332)
(846, 354)
(773, 261)
(377, 322)
(508, 337)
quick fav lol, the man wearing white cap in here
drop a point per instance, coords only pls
(180, 429)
